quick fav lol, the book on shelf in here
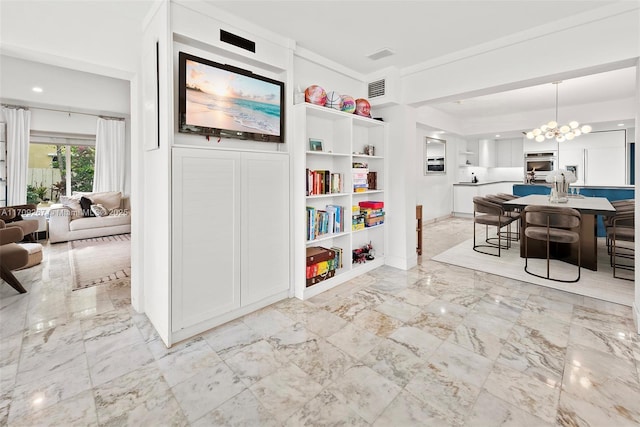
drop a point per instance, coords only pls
(321, 222)
(336, 183)
(338, 257)
(318, 182)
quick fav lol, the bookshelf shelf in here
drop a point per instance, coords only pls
(326, 237)
(345, 137)
(325, 196)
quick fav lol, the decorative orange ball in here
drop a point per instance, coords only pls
(363, 108)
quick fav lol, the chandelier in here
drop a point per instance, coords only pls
(554, 130)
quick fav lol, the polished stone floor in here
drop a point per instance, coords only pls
(438, 345)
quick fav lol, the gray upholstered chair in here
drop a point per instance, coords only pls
(551, 224)
(12, 256)
(488, 214)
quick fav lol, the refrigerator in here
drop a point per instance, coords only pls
(599, 158)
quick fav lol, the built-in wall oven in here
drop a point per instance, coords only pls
(540, 163)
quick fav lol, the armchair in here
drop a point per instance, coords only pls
(12, 217)
(12, 255)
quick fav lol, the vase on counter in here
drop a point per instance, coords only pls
(559, 189)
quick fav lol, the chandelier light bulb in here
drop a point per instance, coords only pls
(549, 135)
(536, 132)
(530, 135)
(586, 129)
(552, 124)
(560, 138)
(544, 128)
(577, 132)
(540, 138)
(569, 136)
(565, 129)
(574, 124)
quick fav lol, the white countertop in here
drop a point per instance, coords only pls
(475, 184)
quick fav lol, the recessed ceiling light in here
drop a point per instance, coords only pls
(37, 89)
(441, 132)
(498, 136)
(620, 124)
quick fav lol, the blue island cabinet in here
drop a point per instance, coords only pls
(611, 193)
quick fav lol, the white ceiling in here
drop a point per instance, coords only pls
(418, 31)
(342, 31)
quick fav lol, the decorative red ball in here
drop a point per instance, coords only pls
(363, 108)
(314, 94)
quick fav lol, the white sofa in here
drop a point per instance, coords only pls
(65, 223)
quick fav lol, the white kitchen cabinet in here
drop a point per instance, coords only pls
(509, 153)
(463, 195)
(463, 198)
(487, 153)
(230, 215)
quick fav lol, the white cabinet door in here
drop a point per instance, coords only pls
(605, 166)
(265, 226)
(503, 153)
(463, 198)
(206, 235)
(487, 153)
(517, 154)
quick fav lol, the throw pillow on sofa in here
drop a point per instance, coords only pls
(85, 204)
(109, 199)
(73, 203)
(99, 210)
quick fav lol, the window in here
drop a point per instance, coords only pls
(59, 166)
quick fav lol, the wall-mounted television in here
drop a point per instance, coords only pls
(224, 101)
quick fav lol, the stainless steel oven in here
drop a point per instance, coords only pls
(540, 164)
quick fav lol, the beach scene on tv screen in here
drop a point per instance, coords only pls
(221, 99)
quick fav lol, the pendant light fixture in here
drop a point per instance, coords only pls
(553, 129)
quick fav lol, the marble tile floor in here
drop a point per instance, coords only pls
(438, 345)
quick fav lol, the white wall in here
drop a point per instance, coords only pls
(79, 96)
(435, 192)
(96, 36)
(307, 73)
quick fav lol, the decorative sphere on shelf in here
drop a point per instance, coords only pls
(363, 108)
(314, 94)
(334, 100)
(348, 104)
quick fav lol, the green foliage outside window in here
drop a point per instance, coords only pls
(82, 165)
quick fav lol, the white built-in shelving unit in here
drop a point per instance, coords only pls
(344, 137)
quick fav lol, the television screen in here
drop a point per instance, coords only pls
(221, 100)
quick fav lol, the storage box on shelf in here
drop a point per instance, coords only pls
(349, 170)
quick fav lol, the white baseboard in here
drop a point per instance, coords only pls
(434, 220)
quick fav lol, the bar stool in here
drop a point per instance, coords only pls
(551, 224)
(515, 214)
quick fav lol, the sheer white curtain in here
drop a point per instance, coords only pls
(109, 171)
(18, 127)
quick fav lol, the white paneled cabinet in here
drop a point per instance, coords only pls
(230, 234)
(509, 153)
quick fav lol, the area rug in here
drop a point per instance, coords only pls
(596, 284)
(100, 260)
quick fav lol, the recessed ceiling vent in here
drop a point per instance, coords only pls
(377, 88)
(382, 53)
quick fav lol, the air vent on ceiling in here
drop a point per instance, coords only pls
(377, 88)
(382, 53)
